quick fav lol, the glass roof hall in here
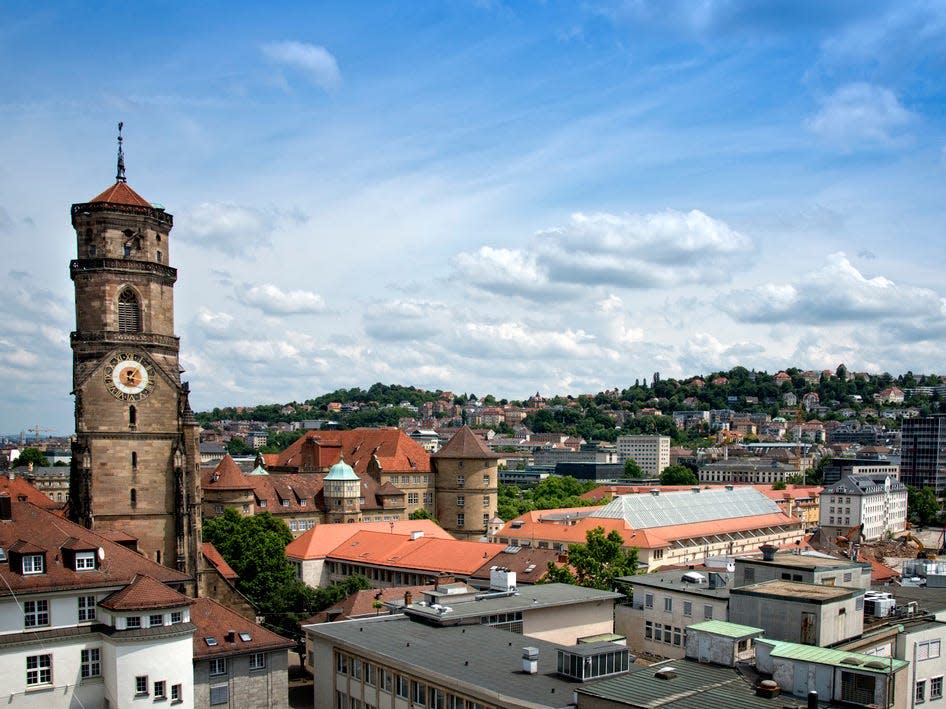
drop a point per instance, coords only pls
(672, 508)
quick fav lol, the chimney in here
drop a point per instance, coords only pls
(6, 509)
(408, 598)
(416, 535)
(530, 660)
(812, 700)
(231, 636)
(443, 580)
(768, 552)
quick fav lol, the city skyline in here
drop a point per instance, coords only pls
(485, 197)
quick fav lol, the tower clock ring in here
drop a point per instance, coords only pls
(129, 377)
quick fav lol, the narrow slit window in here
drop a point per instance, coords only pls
(132, 416)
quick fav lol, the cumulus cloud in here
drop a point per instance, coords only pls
(315, 62)
(272, 300)
(836, 293)
(663, 249)
(860, 114)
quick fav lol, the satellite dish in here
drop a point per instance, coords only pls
(101, 553)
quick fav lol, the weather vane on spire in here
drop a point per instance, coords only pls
(120, 177)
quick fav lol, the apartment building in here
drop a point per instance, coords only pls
(651, 453)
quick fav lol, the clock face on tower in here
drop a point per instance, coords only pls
(129, 377)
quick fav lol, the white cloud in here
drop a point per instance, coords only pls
(860, 114)
(316, 62)
(632, 251)
(836, 293)
(272, 300)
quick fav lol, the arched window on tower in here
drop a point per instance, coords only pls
(133, 497)
(129, 312)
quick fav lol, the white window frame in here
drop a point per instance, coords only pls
(85, 561)
(258, 661)
(86, 611)
(33, 564)
(36, 613)
(90, 663)
(39, 670)
(218, 666)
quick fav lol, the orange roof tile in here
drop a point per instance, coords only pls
(318, 542)
(216, 559)
(20, 489)
(145, 593)
(121, 193)
(425, 553)
(361, 603)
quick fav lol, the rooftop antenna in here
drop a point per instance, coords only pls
(120, 175)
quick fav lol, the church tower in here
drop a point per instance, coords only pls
(135, 464)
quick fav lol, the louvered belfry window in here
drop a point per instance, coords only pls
(129, 312)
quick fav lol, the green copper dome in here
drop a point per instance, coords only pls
(341, 471)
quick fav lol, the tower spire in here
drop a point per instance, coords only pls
(120, 176)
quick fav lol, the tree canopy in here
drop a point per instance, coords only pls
(597, 562)
(31, 455)
(632, 469)
(678, 475)
(255, 546)
(549, 494)
(922, 505)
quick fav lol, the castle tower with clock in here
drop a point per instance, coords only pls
(135, 464)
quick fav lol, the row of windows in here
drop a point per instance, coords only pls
(154, 620)
(461, 481)
(663, 633)
(687, 606)
(461, 500)
(935, 687)
(36, 613)
(390, 576)
(419, 694)
(160, 688)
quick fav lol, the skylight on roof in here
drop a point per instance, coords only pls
(211, 642)
(245, 637)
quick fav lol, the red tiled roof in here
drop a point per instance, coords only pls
(18, 488)
(526, 558)
(318, 542)
(466, 445)
(425, 553)
(121, 193)
(395, 451)
(216, 621)
(215, 558)
(145, 593)
(49, 532)
(225, 476)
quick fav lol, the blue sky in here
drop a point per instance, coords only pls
(484, 196)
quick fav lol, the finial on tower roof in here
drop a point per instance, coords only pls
(120, 176)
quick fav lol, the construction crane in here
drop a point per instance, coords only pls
(37, 429)
(852, 535)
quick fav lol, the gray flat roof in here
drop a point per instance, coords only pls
(477, 659)
(805, 561)
(674, 580)
(535, 596)
(789, 590)
(695, 686)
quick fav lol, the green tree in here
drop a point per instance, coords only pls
(422, 513)
(237, 446)
(678, 475)
(597, 562)
(779, 485)
(922, 505)
(632, 469)
(32, 455)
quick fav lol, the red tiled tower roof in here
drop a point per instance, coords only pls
(466, 445)
(121, 193)
(226, 476)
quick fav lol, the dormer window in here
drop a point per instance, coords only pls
(33, 564)
(85, 560)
